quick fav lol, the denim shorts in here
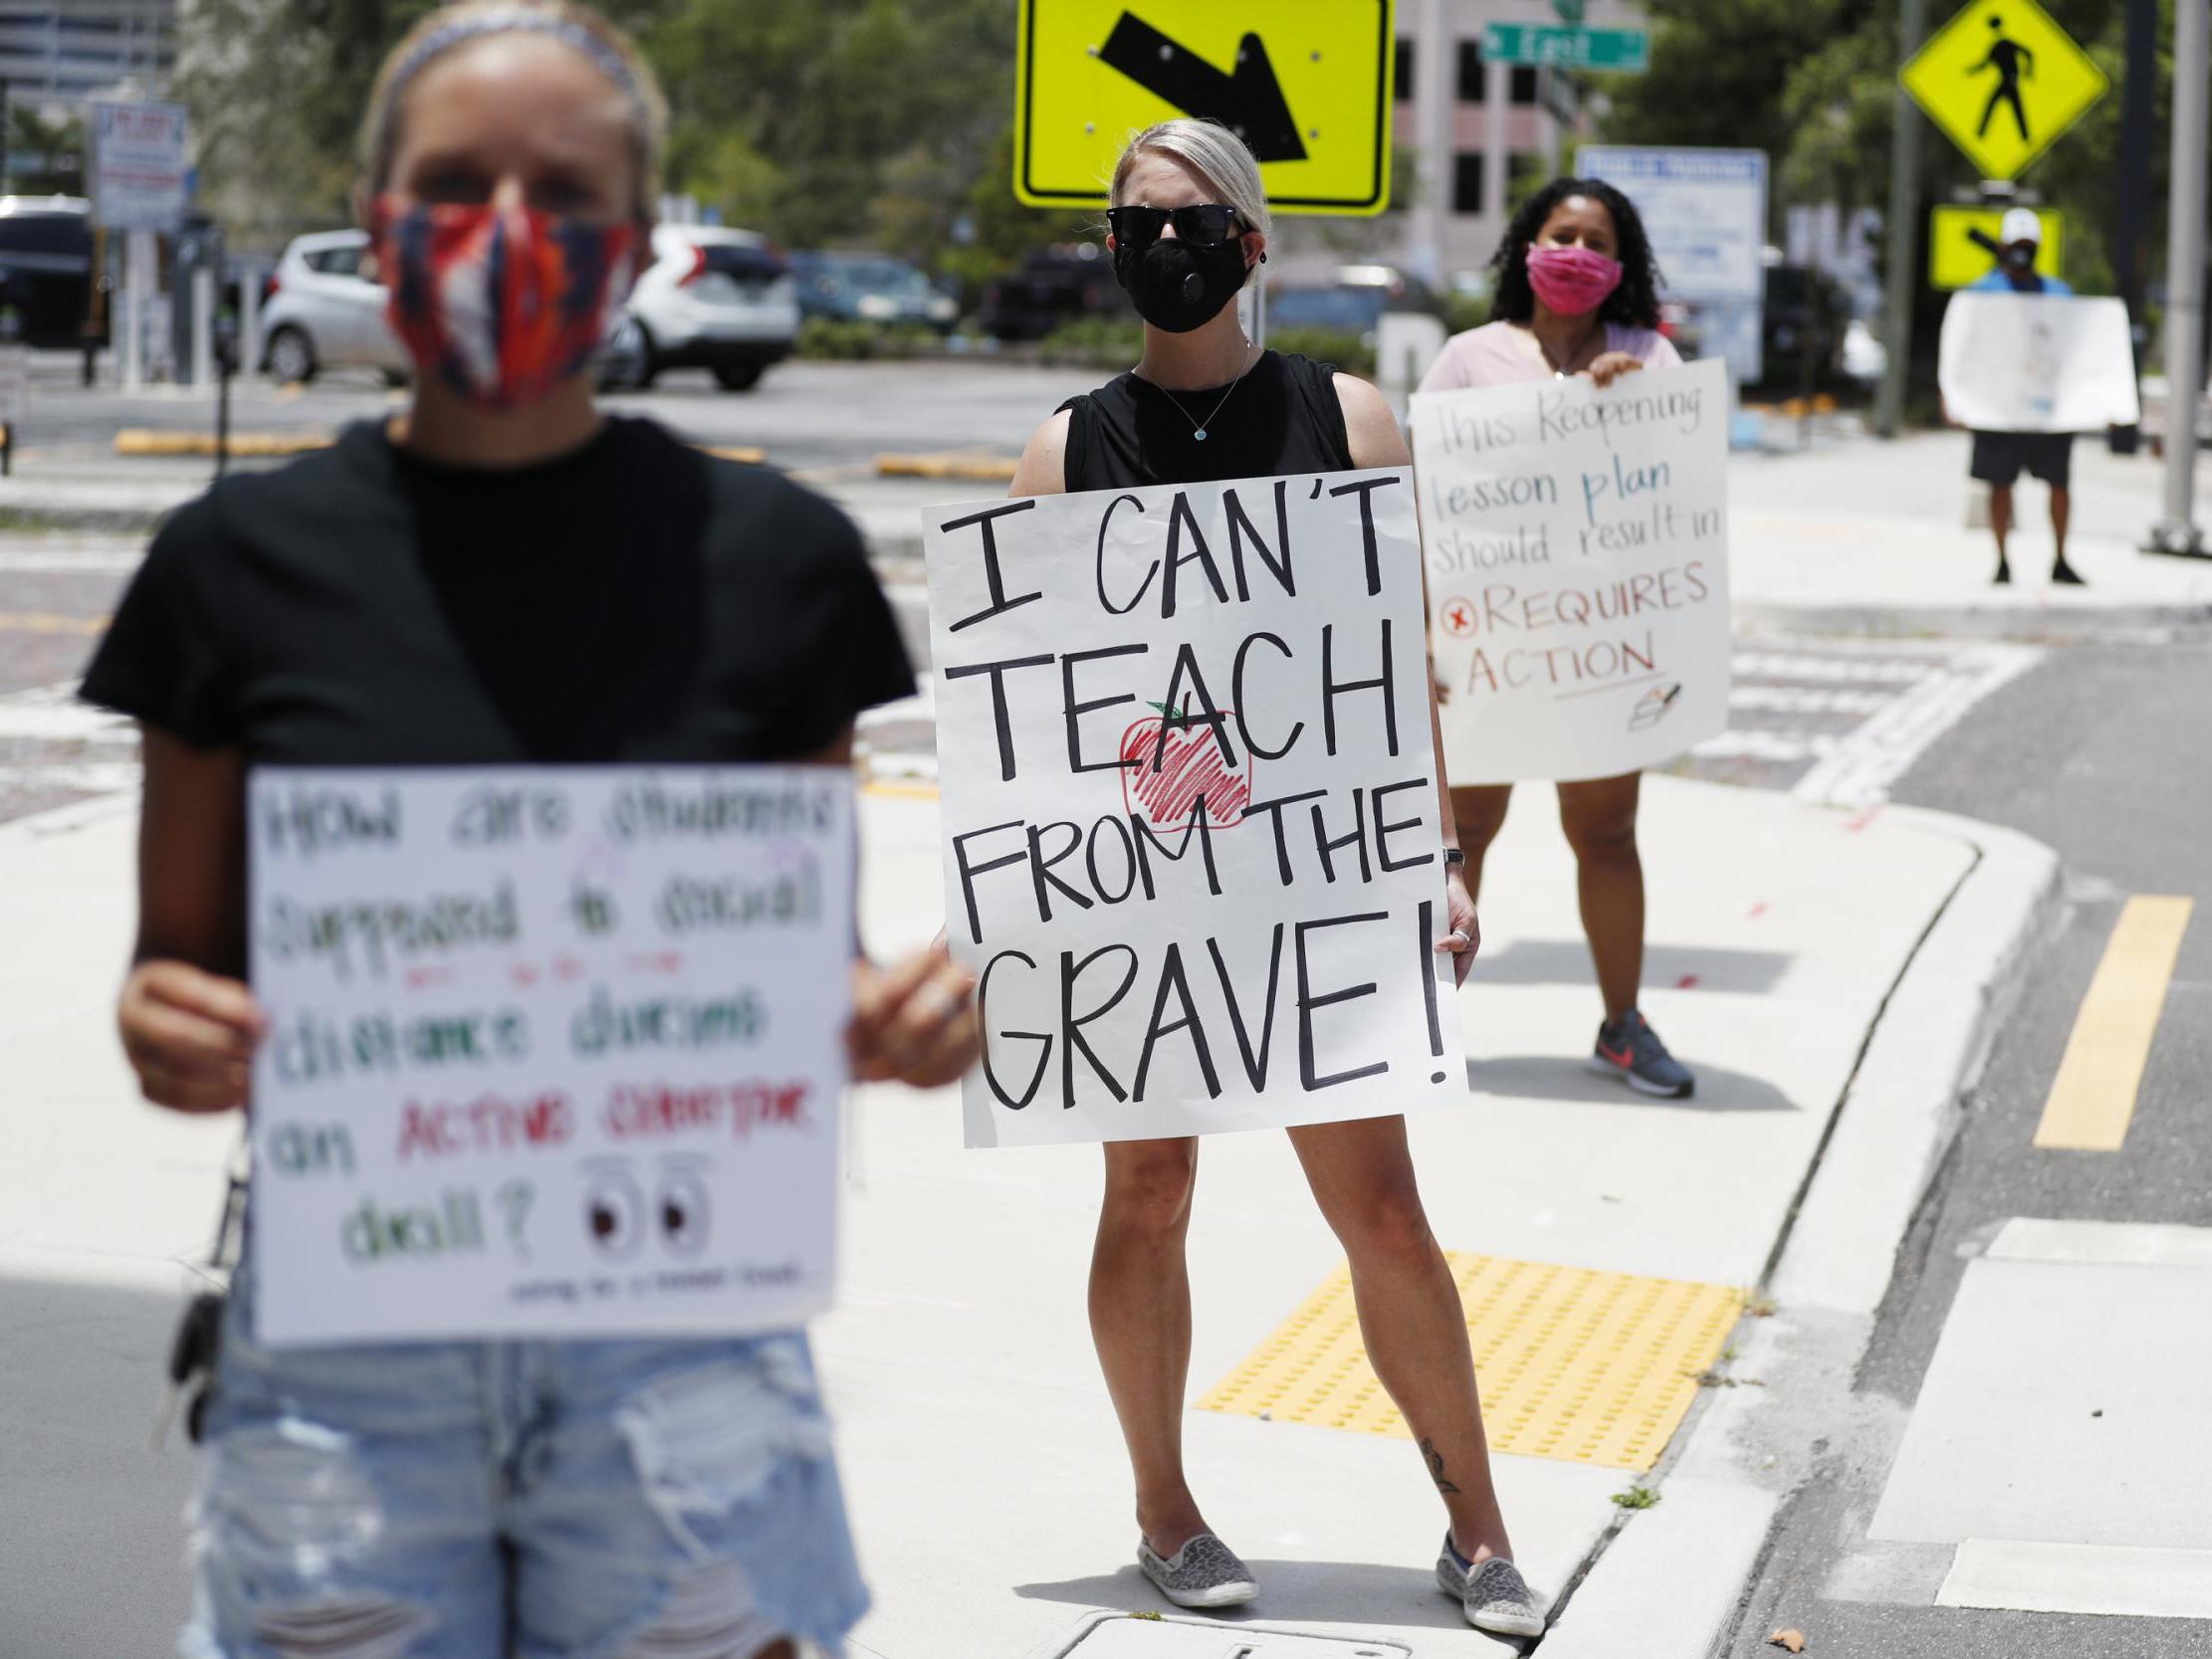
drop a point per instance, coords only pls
(517, 1499)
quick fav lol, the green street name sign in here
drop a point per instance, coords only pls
(1619, 50)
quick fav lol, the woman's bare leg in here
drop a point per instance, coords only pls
(1599, 820)
(1481, 813)
(1410, 1317)
(1141, 1323)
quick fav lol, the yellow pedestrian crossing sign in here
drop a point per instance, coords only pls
(2003, 81)
(1956, 259)
(1305, 82)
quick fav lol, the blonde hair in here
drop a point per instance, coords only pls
(1212, 151)
(590, 36)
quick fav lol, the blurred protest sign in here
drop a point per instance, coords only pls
(552, 1052)
(2037, 363)
(1577, 541)
(1193, 843)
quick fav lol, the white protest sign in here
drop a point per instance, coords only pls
(1192, 839)
(552, 1051)
(1578, 570)
(2037, 363)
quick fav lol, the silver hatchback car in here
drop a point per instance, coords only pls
(320, 312)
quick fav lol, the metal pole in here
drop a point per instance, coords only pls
(1900, 229)
(2138, 97)
(1436, 84)
(2178, 533)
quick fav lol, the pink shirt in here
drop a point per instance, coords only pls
(1499, 353)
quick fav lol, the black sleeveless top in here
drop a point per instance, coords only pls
(1282, 418)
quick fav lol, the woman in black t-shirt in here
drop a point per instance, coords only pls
(1188, 228)
(517, 578)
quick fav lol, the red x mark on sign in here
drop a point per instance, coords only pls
(1459, 618)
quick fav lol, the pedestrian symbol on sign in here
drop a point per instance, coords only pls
(2008, 58)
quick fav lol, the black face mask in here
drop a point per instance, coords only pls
(2021, 259)
(1177, 286)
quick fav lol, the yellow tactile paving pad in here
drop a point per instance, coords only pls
(1577, 1364)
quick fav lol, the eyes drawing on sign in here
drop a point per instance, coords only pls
(1171, 763)
(620, 1214)
(1248, 102)
(1653, 706)
(1459, 618)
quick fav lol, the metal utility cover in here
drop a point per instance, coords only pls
(1305, 82)
(1121, 1636)
(2004, 82)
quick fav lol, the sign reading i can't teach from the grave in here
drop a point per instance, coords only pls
(2004, 82)
(1306, 83)
(551, 1052)
(1577, 541)
(1192, 842)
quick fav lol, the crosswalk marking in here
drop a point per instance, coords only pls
(2093, 1098)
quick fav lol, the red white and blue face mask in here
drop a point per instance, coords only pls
(501, 303)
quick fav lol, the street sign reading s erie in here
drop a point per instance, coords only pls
(1305, 82)
(2004, 82)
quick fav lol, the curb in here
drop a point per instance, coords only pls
(146, 441)
(1668, 1582)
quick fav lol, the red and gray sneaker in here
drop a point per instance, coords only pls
(1630, 1050)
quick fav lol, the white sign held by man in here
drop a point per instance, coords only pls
(1192, 841)
(2037, 363)
(551, 1052)
(1577, 540)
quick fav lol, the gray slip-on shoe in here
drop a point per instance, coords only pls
(1491, 1593)
(1204, 1573)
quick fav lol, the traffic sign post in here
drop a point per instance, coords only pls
(1956, 259)
(1305, 82)
(2004, 82)
(1616, 51)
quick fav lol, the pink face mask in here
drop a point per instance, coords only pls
(1572, 281)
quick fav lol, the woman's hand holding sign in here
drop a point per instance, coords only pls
(1610, 367)
(912, 1022)
(1464, 940)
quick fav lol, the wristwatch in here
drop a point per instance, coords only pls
(1454, 857)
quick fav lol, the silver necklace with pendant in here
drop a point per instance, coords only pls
(1198, 428)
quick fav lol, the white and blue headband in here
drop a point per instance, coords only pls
(523, 20)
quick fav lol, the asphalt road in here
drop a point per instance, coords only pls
(2097, 753)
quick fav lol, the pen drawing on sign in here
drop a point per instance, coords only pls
(554, 1054)
(1578, 572)
(1192, 837)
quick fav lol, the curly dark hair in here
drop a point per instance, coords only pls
(1634, 302)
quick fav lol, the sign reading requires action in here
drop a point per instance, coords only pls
(2004, 82)
(1956, 260)
(552, 1051)
(1192, 841)
(1578, 572)
(1308, 89)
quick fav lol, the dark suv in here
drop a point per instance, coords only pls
(46, 269)
(1052, 287)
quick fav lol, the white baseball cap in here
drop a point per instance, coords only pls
(2021, 225)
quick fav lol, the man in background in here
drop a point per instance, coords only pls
(2000, 457)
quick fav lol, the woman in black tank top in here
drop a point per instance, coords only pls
(1205, 403)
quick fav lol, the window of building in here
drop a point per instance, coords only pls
(1403, 72)
(1523, 90)
(1467, 182)
(1475, 74)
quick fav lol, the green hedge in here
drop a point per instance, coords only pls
(823, 336)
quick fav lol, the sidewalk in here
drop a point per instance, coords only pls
(984, 1468)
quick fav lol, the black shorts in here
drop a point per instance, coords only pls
(1999, 457)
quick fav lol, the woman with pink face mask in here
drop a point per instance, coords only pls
(508, 577)
(1578, 294)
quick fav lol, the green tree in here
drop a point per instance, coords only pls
(44, 157)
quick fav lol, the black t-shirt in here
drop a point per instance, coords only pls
(1283, 417)
(634, 600)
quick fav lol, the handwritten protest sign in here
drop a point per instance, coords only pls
(1578, 570)
(1192, 835)
(2037, 363)
(552, 1052)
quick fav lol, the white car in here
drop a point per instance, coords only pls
(319, 311)
(715, 298)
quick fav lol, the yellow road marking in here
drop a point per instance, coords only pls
(975, 469)
(46, 622)
(2092, 1099)
(1576, 1365)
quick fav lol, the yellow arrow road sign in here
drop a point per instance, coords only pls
(1955, 259)
(2003, 81)
(1305, 82)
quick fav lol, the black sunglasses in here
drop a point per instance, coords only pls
(1206, 224)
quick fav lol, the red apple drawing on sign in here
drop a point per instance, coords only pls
(1170, 760)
